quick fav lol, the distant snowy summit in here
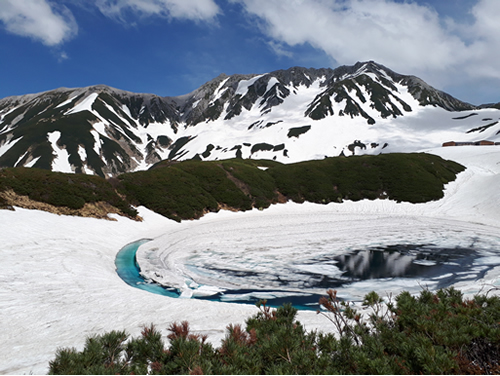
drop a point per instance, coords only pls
(287, 115)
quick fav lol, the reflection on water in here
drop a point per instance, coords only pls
(445, 266)
(423, 262)
(408, 261)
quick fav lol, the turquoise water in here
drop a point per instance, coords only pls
(128, 270)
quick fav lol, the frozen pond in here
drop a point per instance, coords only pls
(129, 271)
(430, 265)
(297, 259)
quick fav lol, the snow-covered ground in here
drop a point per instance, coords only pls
(58, 283)
(423, 127)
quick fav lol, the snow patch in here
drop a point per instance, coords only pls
(97, 141)
(127, 111)
(4, 148)
(61, 161)
(218, 92)
(273, 81)
(84, 105)
(110, 108)
(243, 85)
(32, 162)
(82, 153)
(66, 102)
(20, 158)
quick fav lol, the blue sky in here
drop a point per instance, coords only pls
(171, 47)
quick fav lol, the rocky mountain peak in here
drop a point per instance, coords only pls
(106, 131)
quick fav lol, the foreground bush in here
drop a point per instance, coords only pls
(435, 333)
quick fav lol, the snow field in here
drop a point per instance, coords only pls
(423, 127)
(59, 285)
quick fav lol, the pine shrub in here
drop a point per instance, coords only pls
(434, 333)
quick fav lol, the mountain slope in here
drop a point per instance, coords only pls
(287, 115)
(94, 130)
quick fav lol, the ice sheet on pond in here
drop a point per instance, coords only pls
(314, 253)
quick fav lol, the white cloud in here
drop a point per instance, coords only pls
(196, 10)
(52, 23)
(406, 36)
(38, 19)
(484, 49)
(279, 49)
(62, 56)
(486, 13)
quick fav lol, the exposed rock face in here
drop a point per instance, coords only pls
(106, 131)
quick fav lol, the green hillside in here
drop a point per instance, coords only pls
(71, 191)
(189, 189)
(402, 177)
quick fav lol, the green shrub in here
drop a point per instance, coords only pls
(434, 333)
(61, 189)
(184, 190)
(401, 177)
(189, 189)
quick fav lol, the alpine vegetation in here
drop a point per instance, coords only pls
(434, 333)
(190, 189)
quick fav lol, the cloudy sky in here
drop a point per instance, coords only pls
(171, 47)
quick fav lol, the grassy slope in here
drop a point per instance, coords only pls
(190, 189)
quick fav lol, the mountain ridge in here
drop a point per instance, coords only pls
(107, 131)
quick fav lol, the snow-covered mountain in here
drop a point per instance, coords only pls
(287, 115)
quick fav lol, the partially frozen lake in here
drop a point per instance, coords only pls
(278, 256)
